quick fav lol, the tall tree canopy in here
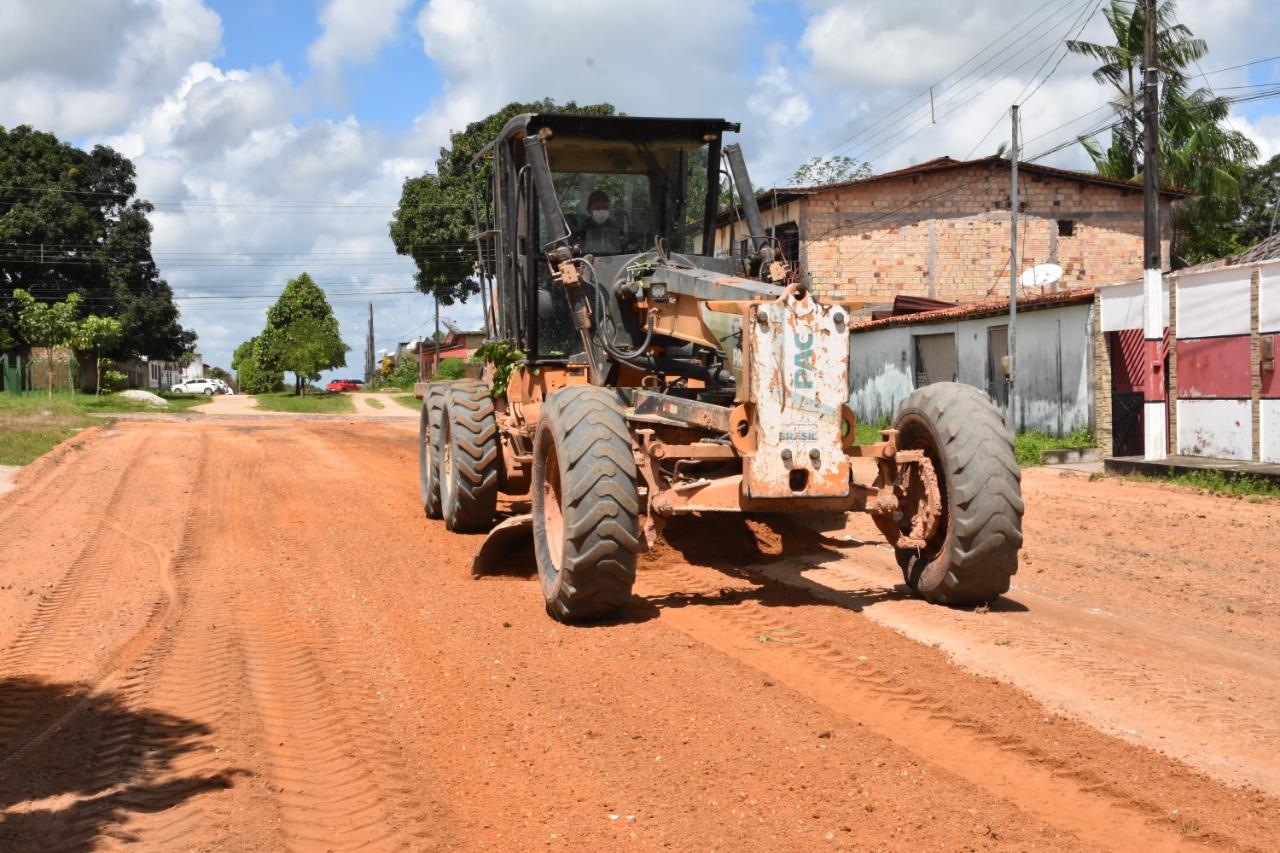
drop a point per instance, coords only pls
(302, 335)
(435, 221)
(1259, 200)
(831, 170)
(252, 375)
(69, 224)
(1198, 148)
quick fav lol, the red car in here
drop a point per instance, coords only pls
(344, 385)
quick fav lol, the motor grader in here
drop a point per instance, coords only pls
(652, 373)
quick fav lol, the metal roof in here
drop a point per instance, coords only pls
(609, 127)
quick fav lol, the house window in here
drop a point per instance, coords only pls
(1066, 228)
(935, 359)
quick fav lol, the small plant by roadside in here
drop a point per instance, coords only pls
(1217, 483)
(1027, 445)
(450, 368)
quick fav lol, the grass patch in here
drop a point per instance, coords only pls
(1027, 445)
(408, 401)
(868, 432)
(1218, 483)
(310, 404)
(374, 402)
(116, 403)
(31, 425)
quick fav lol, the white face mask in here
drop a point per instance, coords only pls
(600, 216)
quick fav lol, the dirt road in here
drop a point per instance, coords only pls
(222, 635)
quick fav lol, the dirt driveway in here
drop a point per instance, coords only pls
(243, 635)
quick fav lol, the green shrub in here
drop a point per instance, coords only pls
(113, 380)
(451, 368)
(403, 375)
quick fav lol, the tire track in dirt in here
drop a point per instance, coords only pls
(1078, 660)
(335, 770)
(45, 644)
(131, 747)
(193, 673)
(1053, 792)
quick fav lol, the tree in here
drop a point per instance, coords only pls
(47, 325)
(302, 335)
(97, 335)
(1198, 150)
(1259, 199)
(72, 225)
(820, 171)
(434, 221)
(252, 375)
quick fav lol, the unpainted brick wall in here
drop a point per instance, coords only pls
(871, 242)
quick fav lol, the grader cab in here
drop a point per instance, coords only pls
(651, 373)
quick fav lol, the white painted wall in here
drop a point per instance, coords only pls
(1050, 342)
(1269, 298)
(1270, 444)
(1122, 305)
(1220, 429)
(1214, 303)
(194, 370)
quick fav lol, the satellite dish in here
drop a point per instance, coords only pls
(1041, 275)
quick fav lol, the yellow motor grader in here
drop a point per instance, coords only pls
(651, 374)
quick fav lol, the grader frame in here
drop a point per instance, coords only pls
(686, 386)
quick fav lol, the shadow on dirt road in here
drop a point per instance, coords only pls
(77, 762)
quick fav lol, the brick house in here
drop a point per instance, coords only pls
(940, 229)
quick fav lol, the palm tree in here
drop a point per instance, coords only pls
(1196, 150)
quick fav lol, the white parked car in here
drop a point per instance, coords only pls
(197, 386)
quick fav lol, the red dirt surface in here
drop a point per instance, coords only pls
(245, 636)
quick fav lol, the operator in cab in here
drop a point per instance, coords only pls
(601, 233)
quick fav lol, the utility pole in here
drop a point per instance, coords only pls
(1155, 439)
(435, 341)
(368, 351)
(1010, 422)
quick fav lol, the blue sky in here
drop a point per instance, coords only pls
(277, 134)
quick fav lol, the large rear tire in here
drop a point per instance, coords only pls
(586, 505)
(468, 459)
(973, 552)
(428, 444)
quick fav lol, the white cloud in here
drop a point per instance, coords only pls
(79, 68)
(777, 98)
(859, 61)
(352, 32)
(495, 51)
(250, 197)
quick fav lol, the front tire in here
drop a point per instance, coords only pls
(468, 461)
(428, 443)
(973, 552)
(586, 506)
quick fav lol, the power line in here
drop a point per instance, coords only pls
(938, 86)
(888, 141)
(1066, 50)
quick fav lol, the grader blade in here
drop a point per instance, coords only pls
(500, 547)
